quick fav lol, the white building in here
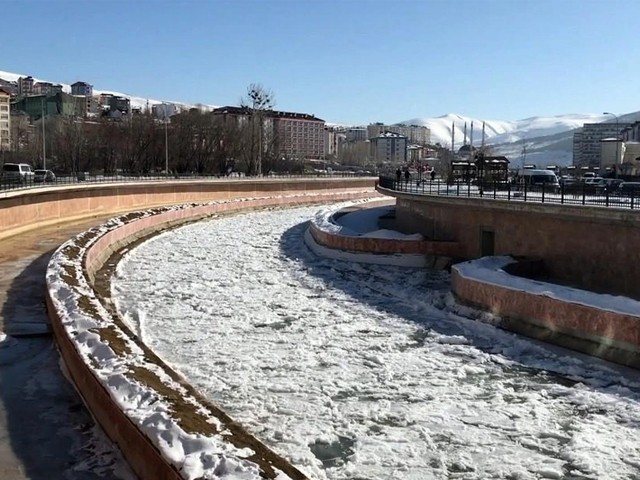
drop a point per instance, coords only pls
(389, 148)
(5, 121)
(586, 143)
(416, 134)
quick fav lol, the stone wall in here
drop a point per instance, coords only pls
(590, 247)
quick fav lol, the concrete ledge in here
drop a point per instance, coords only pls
(27, 209)
(382, 245)
(609, 333)
(92, 340)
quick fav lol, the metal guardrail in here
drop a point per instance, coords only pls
(80, 179)
(578, 194)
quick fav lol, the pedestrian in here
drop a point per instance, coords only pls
(398, 174)
(407, 175)
(433, 175)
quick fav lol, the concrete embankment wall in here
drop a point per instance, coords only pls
(604, 333)
(382, 245)
(595, 248)
(22, 210)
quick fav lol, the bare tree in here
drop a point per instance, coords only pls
(258, 102)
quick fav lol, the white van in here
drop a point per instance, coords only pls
(17, 173)
(541, 178)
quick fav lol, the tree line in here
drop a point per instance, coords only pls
(196, 142)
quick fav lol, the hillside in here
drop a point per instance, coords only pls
(136, 102)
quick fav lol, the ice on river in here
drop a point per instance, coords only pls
(357, 371)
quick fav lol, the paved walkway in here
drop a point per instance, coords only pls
(45, 430)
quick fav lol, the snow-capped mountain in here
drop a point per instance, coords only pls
(535, 140)
(136, 102)
(501, 131)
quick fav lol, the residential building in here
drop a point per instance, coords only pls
(356, 134)
(46, 88)
(586, 143)
(91, 106)
(298, 135)
(81, 88)
(25, 86)
(114, 106)
(631, 133)
(389, 148)
(10, 87)
(5, 120)
(54, 104)
(164, 110)
(332, 139)
(416, 134)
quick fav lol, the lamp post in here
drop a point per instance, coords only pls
(44, 143)
(166, 139)
(615, 169)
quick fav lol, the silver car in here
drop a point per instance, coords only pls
(42, 176)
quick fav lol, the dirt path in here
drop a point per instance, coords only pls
(45, 430)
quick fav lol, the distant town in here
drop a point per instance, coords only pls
(42, 125)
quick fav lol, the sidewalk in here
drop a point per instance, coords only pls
(45, 430)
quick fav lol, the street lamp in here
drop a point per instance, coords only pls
(166, 139)
(44, 143)
(615, 168)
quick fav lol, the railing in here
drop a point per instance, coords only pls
(577, 194)
(84, 178)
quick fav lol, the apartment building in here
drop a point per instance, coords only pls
(631, 133)
(9, 87)
(333, 137)
(25, 86)
(356, 134)
(55, 104)
(42, 88)
(298, 135)
(416, 134)
(81, 88)
(389, 148)
(5, 121)
(587, 146)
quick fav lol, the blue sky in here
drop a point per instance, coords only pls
(347, 61)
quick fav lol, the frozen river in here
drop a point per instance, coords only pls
(357, 371)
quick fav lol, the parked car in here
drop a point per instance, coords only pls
(42, 176)
(543, 179)
(630, 189)
(17, 173)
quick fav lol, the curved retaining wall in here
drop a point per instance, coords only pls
(90, 338)
(382, 245)
(577, 322)
(22, 210)
(594, 247)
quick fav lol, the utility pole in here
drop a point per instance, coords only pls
(44, 143)
(615, 166)
(166, 143)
